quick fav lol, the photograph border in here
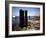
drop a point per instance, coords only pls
(7, 18)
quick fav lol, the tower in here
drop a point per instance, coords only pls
(21, 18)
(25, 20)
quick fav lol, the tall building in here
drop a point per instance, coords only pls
(23, 18)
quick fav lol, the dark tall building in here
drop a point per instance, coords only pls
(23, 19)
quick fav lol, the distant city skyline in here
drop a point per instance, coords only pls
(30, 11)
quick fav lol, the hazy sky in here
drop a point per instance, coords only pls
(30, 11)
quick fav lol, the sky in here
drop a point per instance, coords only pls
(30, 11)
